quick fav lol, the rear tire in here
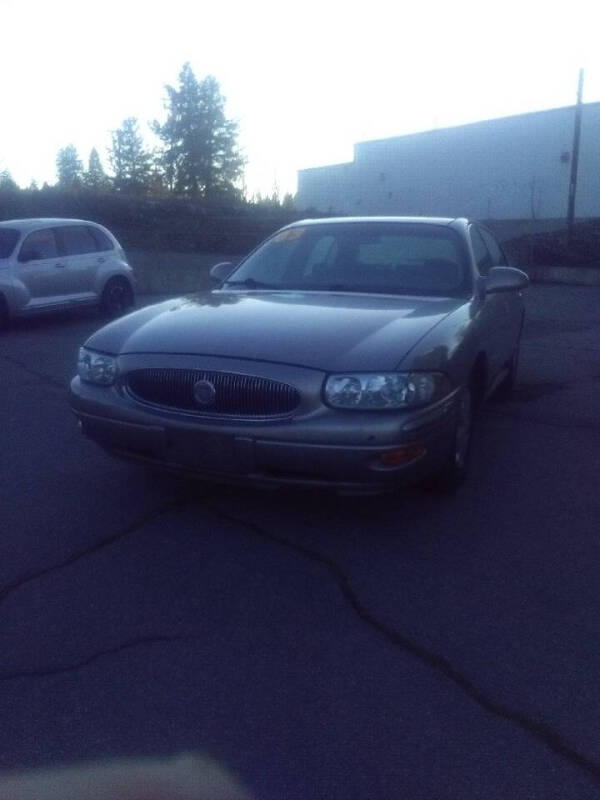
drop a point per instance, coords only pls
(117, 297)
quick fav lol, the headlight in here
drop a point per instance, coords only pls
(96, 367)
(385, 390)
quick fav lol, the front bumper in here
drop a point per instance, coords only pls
(327, 448)
(268, 455)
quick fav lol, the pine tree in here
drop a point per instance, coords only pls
(288, 202)
(129, 159)
(200, 150)
(157, 182)
(69, 168)
(95, 178)
(6, 181)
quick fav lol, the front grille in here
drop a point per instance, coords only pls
(234, 395)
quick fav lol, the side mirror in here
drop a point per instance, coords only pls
(505, 279)
(220, 272)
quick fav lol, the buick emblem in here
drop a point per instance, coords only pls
(204, 393)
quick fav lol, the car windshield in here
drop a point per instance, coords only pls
(8, 240)
(373, 257)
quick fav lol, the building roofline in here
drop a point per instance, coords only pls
(329, 166)
(472, 124)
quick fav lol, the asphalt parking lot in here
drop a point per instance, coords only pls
(401, 646)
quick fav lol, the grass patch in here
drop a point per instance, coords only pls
(172, 272)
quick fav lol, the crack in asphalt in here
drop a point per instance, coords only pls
(439, 663)
(107, 541)
(36, 373)
(85, 662)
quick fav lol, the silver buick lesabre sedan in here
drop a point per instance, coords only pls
(351, 353)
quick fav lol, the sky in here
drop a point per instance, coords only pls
(305, 81)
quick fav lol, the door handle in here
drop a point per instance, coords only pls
(60, 266)
(101, 260)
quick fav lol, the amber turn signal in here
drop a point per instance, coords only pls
(401, 455)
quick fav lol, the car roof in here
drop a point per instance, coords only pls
(27, 224)
(357, 220)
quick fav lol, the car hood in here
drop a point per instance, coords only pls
(311, 329)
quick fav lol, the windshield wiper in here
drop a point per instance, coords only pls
(250, 283)
(395, 290)
(347, 287)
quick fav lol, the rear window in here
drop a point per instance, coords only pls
(102, 241)
(76, 240)
(8, 239)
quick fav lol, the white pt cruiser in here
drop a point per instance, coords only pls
(52, 264)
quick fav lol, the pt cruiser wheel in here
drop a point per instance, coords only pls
(117, 297)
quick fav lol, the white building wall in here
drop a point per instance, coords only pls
(510, 168)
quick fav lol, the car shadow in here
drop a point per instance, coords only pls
(65, 318)
(329, 507)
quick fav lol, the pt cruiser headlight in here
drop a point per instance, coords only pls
(96, 367)
(383, 390)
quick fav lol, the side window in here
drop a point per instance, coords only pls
(103, 243)
(76, 240)
(39, 245)
(498, 257)
(483, 259)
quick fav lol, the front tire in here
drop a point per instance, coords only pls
(4, 315)
(506, 387)
(454, 471)
(117, 297)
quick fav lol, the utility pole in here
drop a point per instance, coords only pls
(575, 160)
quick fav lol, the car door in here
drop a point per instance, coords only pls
(41, 270)
(79, 252)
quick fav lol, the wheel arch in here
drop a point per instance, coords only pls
(111, 276)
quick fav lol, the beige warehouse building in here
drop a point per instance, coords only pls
(510, 168)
